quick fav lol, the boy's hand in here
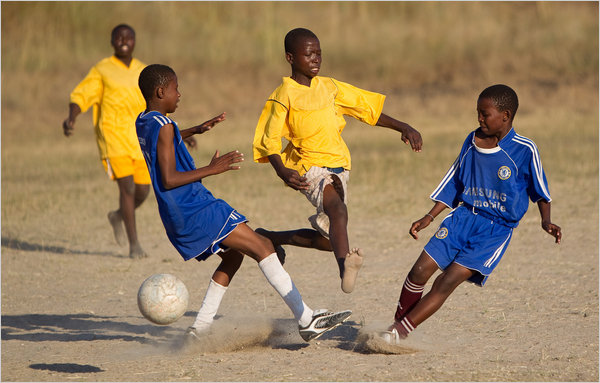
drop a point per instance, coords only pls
(411, 136)
(419, 225)
(221, 164)
(553, 230)
(208, 125)
(68, 127)
(293, 179)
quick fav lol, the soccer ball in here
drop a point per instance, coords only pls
(163, 298)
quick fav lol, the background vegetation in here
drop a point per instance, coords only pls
(431, 59)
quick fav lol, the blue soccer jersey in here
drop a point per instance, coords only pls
(195, 221)
(498, 182)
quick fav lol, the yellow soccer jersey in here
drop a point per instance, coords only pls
(311, 119)
(112, 89)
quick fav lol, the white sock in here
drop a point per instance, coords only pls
(281, 281)
(210, 305)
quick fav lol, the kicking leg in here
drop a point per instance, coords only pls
(443, 286)
(413, 287)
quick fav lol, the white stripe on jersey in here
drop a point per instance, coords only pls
(497, 253)
(162, 120)
(537, 163)
(447, 177)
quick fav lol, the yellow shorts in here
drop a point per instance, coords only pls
(120, 167)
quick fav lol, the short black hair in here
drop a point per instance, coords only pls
(503, 97)
(115, 29)
(154, 76)
(291, 39)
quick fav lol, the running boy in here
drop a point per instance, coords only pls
(488, 187)
(199, 225)
(111, 88)
(308, 111)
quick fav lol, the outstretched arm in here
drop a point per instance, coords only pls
(426, 220)
(547, 225)
(409, 134)
(69, 122)
(172, 178)
(291, 177)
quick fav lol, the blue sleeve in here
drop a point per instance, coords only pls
(537, 188)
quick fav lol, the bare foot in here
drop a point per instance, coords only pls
(352, 263)
(137, 252)
(114, 217)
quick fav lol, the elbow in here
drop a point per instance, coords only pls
(168, 182)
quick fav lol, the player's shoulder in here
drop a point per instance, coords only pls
(518, 142)
(155, 118)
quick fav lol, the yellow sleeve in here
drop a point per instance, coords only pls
(361, 104)
(89, 91)
(271, 128)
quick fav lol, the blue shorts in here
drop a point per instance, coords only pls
(469, 240)
(216, 246)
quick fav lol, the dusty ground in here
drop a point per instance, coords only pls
(70, 314)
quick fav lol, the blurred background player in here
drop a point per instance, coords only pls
(308, 111)
(111, 89)
(198, 224)
(488, 187)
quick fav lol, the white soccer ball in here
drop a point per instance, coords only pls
(163, 298)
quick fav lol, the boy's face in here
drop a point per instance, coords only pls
(123, 41)
(306, 59)
(171, 95)
(492, 122)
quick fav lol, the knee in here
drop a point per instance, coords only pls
(336, 209)
(141, 192)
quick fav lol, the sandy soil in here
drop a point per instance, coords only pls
(70, 314)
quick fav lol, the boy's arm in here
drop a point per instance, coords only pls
(69, 122)
(172, 178)
(291, 177)
(547, 225)
(427, 219)
(409, 134)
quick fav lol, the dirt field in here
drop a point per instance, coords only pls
(69, 310)
(70, 315)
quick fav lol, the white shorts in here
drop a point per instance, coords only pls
(317, 179)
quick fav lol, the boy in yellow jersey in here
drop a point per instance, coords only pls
(111, 88)
(308, 111)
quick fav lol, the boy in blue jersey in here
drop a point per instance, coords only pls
(198, 224)
(488, 187)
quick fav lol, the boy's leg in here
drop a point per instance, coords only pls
(349, 262)
(311, 323)
(308, 238)
(443, 286)
(230, 263)
(412, 289)
(127, 205)
(259, 248)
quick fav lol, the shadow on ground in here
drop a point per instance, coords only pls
(79, 327)
(17, 244)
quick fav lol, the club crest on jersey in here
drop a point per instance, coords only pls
(441, 233)
(504, 173)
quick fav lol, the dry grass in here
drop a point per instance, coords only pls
(432, 63)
